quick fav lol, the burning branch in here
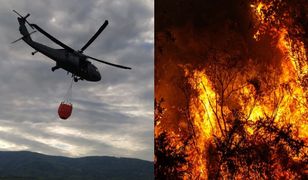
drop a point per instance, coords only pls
(243, 110)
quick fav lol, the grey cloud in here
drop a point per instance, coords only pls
(117, 106)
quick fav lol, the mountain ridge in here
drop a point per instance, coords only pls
(33, 165)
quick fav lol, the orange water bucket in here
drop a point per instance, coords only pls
(65, 110)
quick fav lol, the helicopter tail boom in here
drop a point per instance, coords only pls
(23, 30)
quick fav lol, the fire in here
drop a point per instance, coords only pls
(295, 52)
(203, 105)
(244, 119)
(204, 121)
(294, 68)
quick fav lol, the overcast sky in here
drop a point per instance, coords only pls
(113, 117)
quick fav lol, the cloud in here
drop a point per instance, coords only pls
(111, 117)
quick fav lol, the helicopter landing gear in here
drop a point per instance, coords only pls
(76, 78)
(34, 53)
(54, 68)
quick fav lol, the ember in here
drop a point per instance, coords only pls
(231, 89)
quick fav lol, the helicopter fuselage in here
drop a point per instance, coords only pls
(72, 62)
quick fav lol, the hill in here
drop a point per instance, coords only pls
(24, 165)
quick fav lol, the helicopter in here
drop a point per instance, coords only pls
(74, 62)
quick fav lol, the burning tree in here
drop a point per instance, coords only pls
(167, 157)
(237, 108)
(248, 135)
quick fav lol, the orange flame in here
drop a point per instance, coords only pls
(218, 101)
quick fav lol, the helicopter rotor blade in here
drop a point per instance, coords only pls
(25, 18)
(94, 36)
(53, 38)
(23, 37)
(111, 64)
(18, 13)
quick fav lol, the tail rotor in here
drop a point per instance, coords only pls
(23, 37)
(25, 18)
